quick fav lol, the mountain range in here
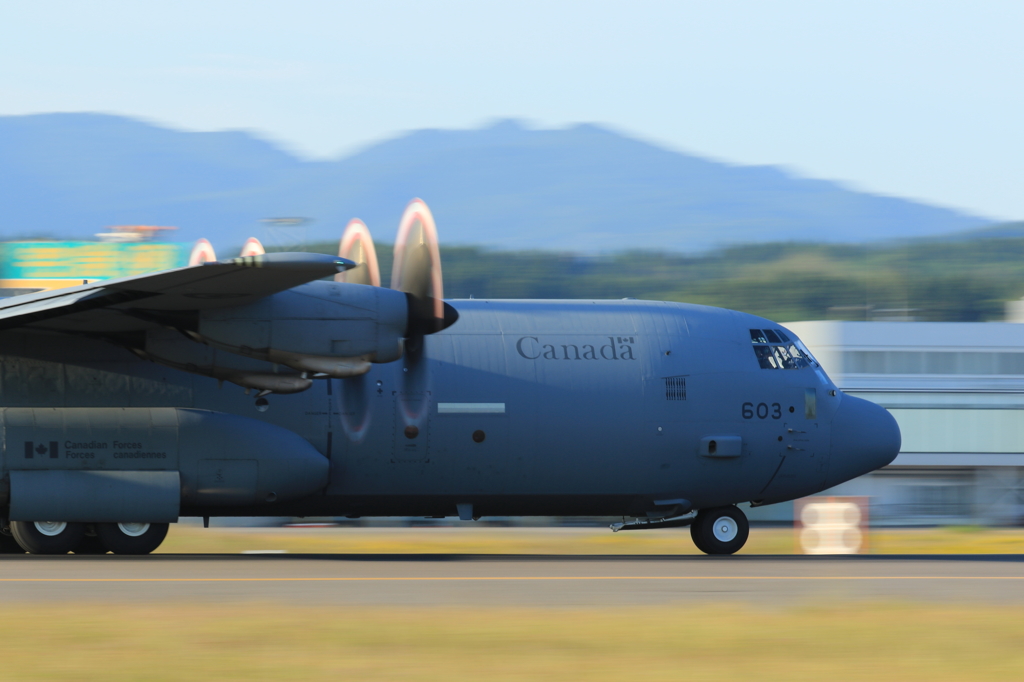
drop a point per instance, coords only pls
(505, 186)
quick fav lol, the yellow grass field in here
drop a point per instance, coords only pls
(870, 642)
(836, 641)
(491, 540)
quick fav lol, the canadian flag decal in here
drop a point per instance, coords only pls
(32, 449)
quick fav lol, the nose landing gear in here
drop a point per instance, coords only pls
(720, 530)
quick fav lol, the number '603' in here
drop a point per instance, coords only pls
(762, 411)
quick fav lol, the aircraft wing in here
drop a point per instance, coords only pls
(135, 303)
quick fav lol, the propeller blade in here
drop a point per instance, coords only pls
(357, 245)
(252, 247)
(202, 252)
(417, 271)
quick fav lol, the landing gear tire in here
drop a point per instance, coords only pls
(47, 537)
(721, 530)
(131, 538)
(8, 545)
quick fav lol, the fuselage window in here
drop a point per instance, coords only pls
(757, 336)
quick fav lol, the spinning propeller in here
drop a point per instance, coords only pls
(416, 270)
(252, 247)
(357, 246)
(202, 251)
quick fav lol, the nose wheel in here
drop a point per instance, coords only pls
(720, 530)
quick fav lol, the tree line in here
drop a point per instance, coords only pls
(964, 280)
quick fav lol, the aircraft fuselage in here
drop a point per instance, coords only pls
(631, 408)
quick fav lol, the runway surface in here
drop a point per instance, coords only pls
(511, 580)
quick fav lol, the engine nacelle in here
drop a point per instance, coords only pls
(172, 349)
(332, 328)
(142, 464)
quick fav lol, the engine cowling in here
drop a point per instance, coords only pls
(331, 328)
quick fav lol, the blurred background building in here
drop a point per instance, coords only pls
(957, 391)
(123, 251)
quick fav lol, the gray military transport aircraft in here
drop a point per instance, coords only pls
(123, 409)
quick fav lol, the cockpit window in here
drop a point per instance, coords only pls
(807, 354)
(782, 355)
(797, 357)
(775, 349)
(765, 357)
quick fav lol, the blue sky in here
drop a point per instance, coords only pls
(916, 99)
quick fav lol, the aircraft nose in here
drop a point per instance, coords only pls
(865, 437)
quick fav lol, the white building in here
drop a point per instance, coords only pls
(957, 391)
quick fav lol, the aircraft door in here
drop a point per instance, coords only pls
(669, 410)
(666, 372)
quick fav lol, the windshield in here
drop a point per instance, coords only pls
(775, 349)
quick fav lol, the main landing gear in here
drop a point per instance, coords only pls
(47, 537)
(61, 537)
(720, 530)
(131, 538)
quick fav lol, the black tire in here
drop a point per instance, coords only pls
(90, 544)
(129, 538)
(697, 535)
(47, 537)
(8, 545)
(721, 530)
